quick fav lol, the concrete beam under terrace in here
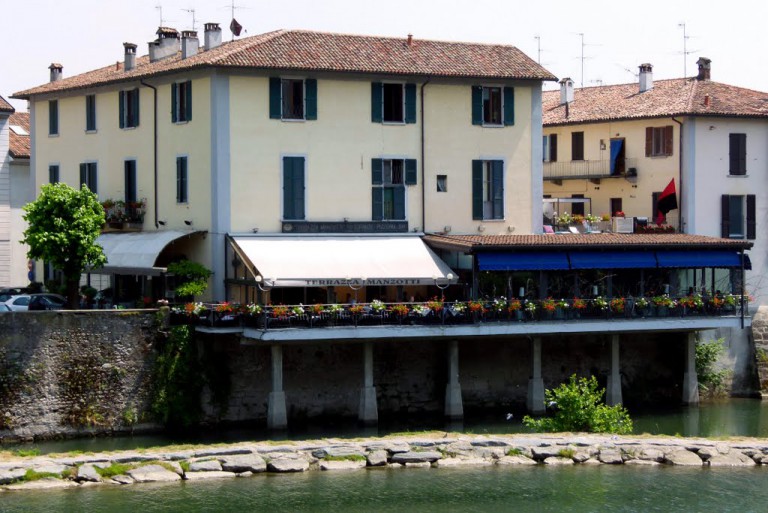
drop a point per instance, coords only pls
(539, 328)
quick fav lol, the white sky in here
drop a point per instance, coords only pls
(618, 35)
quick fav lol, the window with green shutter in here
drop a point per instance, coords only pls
(181, 102)
(389, 178)
(129, 108)
(53, 117)
(53, 173)
(88, 172)
(129, 171)
(293, 188)
(487, 189)
(493, 105)
(293, 99)
(182, 180)
(90, 113)
(393, 102)
(737, 146)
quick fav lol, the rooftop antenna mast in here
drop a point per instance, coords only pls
(232, 8)
(538, 44)
(159, 7)
(685, 50)
(581, 34)
(192, 11)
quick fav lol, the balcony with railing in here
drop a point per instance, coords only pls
(489, 317)
(589, 169)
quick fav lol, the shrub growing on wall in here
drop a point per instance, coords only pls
(711, 380)
(579, 406)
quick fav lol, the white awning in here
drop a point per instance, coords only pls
(136, 252)
(338, 260)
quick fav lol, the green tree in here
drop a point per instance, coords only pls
(64, 224)
(580, 407)
(192, 277)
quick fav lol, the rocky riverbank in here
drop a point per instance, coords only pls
(435, 450)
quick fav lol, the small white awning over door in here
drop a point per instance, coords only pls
(338, 260)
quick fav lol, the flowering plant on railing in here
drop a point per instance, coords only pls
(194, 308)
(356, 309)
(600, 303)
(317, 309)
(530, 307)
(253, 309)
(562, 303)
(578, 218)
(618, 304)
(549, 304)
(420, 309)
(297, 310)
(730, 300)
(693, 302)
(459, 307)
(592, 218)
(335, 309)
(435, 304)
(514, 305)
(564, 218)
(280, 311)
(475, 306)
(664, 301)
(641, 303)
(399, 309)
(378, 306)
(225, 307)
(579, 304)
(499, 304)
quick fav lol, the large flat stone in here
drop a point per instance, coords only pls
(611, 456)
(377, 458)
(462, 462)
(9, 476)
(51, 468)
(416, 457)
(244, 463)
(123, 479)
(88, 472)
(208, 474)
(683, 457)
(516, 460)
(47, 483)
(152, 474)
(288, 465)
(732, 459)
(205, 466)
(556, 460)
(342, 464)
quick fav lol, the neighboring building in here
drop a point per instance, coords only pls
(294, 132)
(620, 146)
(15, 192)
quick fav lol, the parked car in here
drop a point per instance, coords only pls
(7, 293)
(47, 302)
(4, 308)
(19, 303)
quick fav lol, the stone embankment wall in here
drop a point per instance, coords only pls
(448, 450)
(74, 373)
(760, 337)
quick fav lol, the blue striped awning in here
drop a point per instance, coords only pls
(612, 260)
(697, 259)
(528, 261)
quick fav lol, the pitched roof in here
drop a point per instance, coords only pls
(5, 106)
(301, 50)
(582, 241)
(675, 97)
(19, 144)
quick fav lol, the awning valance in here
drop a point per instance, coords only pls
(697, 259)
(528, 261)
(329, 261)
(612, 259)
(136, 252)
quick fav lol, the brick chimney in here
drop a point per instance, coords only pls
(646, 77)
(130, 56)
(212, 36)
(57, 72)
(566, 90)
(705, 66)
(166, 45)
(189, 43)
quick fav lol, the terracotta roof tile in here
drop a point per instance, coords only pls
(19, 144)
(5, 106)
(676, 97)
(319, 51)
(582, 241)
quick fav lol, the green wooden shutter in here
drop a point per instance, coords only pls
(130, 181)
(53, 117)
(751, 214)
(377, 213)
(188, 101)
(298, 180)
(399, 203)
(477, 189)
(288, 193)
(553, 148)
(293, 188)
(275, 107)
(725, 216)
(497, 182)
(93, 178)
(377, 92)
(410, 103)
(135, 94)
(377, 171)
(648, 141)
(310, 91)
(509, 106)
(83, 175)
(178, 180)
(410, 172)
(174, 102)
(477, 105)
(121, 95)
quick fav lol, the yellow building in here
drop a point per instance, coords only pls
(296, 133)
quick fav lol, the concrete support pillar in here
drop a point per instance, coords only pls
(613, 393)
(368, 411)
(690, 381)
(535, 401)
(277, 417)
(454, 408)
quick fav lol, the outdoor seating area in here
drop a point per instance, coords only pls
(439, 312)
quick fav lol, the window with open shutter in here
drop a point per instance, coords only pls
(293, 188)
(477, 105)
(751, 217)
(90, 113)
(725, 221)
(410, 172)
(130, 182)
(509, 106)
(275, 107)
(310, 92)
(376, 101)
(410, 103)
(477, 189)
(737, 154)
(388, 178)
(53, 117)
(182, 177)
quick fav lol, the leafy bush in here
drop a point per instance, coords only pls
(193, 277)
(580, 407)
(711, 381)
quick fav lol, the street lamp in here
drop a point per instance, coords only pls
(264, 283)
(448, 278)
(357, 286)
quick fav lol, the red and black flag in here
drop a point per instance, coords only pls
(235, 27)
(666, 202)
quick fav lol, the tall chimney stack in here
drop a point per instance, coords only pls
(212, 36)
(130, 56)
(189, 43)
(166, 45)
(705, 66)
(57, 71)
(646, 77)
(566, 91)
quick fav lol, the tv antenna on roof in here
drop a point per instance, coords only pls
(234, 26)
(192, 11)
(163, 21)
(686, 52)
(583, 44)
(538, 44)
